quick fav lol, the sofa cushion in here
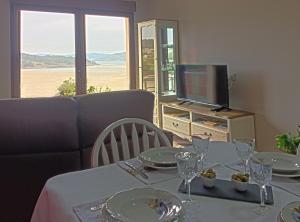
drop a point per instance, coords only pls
(97, 111)
(24, 176)
(38, 125)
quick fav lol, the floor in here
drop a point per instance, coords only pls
(179, 142)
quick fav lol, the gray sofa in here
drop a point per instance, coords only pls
(43, 137)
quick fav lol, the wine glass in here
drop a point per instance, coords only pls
(200, 145)
(261, 173)
(187, 169)
(244, 148)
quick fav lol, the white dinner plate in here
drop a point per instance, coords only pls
(286, 213)
(163, 156)
(144, 204)
(158, 167)
(288, 175)
(282, 163)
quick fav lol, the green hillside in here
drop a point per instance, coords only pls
(49, 61)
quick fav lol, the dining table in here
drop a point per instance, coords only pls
(63, 193)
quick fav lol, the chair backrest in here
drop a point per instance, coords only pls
(128, 130)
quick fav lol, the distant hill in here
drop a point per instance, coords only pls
(30, 61)
(121, 56)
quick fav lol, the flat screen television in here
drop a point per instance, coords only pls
(206, 84)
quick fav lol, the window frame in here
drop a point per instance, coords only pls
(79, 8)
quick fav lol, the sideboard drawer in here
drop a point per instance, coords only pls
(215, 135)
(177, 125)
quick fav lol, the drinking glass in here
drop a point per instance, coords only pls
(200, 145)
(244, 148)
(261, 173)
(187, 169)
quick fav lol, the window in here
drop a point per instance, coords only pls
(47, 53)
(105, 46)
(66, 51)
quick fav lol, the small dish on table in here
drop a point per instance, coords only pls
(208, 178)
(240, 181)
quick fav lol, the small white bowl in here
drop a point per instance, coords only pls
(208, 182)
(240, 186)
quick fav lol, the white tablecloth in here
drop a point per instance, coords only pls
(63, 192)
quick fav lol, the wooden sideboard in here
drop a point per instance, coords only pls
(189, 119)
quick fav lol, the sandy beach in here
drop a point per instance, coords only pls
(44, 82)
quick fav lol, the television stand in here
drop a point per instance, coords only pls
(185, 120)
(185, 102)
(221, 108)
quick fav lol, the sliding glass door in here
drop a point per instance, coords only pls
(70, 52)
(47, 53)
(106, 53)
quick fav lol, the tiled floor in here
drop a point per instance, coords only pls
(180, 142)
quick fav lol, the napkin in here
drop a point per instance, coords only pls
(290, 185)
(155, 176)
(84, 213)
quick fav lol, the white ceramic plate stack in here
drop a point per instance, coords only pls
(288, 214)
(284, 165)
(160, 158)
(143, 204)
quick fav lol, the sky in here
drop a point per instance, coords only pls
(53, 33)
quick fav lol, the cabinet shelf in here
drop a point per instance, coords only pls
(215, 127)
(186, 120)
(182, 117)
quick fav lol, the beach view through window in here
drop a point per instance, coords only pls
(107, 50)
(48, 54)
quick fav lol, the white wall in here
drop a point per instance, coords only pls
(259, 40)
(4, 49)
(145, 10)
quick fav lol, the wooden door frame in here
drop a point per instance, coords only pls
(80, 49)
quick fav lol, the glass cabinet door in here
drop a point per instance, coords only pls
(147, 68)
(147, 57)
(167, 58)
(158, 54)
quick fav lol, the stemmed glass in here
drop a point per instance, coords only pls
(187, 169)
(261, 173)
(244, 148)
(200, 145)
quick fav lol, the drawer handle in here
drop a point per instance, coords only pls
(175, 124)
(207, 134)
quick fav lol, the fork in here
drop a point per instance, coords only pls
(136, 170)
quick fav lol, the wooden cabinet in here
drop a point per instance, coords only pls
(176, 124)
(189, 119)
(214, 134)
(158, 55)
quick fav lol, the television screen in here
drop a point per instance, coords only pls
(206, 84)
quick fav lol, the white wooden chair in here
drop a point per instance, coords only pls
(148, 129)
